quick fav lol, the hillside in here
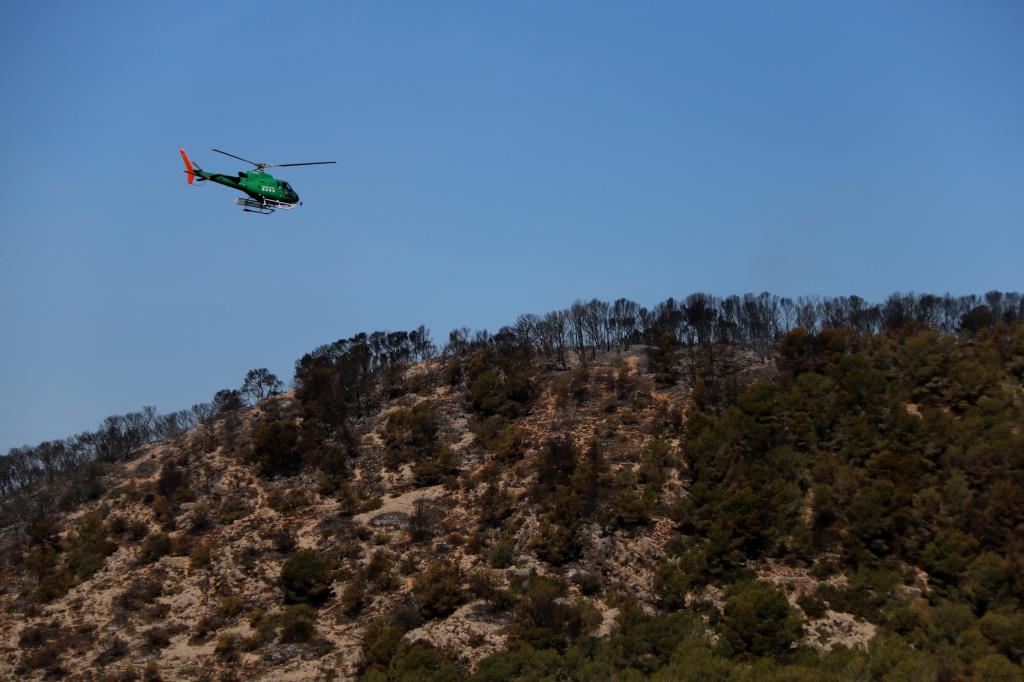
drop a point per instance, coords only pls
(830, 502)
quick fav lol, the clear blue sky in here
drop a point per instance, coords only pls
(494, 159)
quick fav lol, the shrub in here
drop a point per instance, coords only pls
(589, 582)
(265, 626)
(117, 524)
(406, 616)
(407, 566)
(499, 385)
(554, 543)
(487, 585)
(44, 532)
(139, 592)
(378, 571)
(54, 585)
(354, 595)
(156, 638)
(227, 647)
(230, 607)
(171, 479)
(496, 505)
(88, 547)
(438, 590)
(155, 546)
(414, 427)
(452, 372)
(287, 502)
(440, 464)
(151, 673)
(672, 582)
(380, 642)
(138, 530)
(424, 521)
(1006, 632)
(199, 557)
(865, 595)
(116, 649)
(204, 627)
(487, 393)
(996, 668)
(298, 624)
(758, 620)
(946, 559)
(502, 554)
(497, 434)
(812, 605)
(275, 448)
(543, 618)
(41, 648)
(420, 661)
(282, 541)
(305, 578)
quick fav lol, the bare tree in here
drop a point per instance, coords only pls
(595, 323)
(624, 320)
(578, 327)
(259, 384)
(551, 332)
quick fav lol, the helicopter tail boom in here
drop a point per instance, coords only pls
(188, 167)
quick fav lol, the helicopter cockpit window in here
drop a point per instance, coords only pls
(287, 187)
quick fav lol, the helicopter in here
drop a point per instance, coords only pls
(265, 192)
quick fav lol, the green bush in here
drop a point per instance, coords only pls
(419, 662)
(812, 605)
(543, 618)
(298, 624)
(439, 465)
(438, 590)
(672, 583)
(499, 384)
(499, 435)
(487, 393)
(411, 434)
(1006, 632)
(380, 642)
(88, 547)
(502, 554)
(758, 620)
(275, 448)
(487, 585)
(554, 543)
(305, 578)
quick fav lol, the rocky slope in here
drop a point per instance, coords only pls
(175, 571)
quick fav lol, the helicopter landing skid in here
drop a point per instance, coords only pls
(265, 207)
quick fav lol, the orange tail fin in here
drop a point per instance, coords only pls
(188, 167)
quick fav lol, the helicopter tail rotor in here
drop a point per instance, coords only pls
(188, 167)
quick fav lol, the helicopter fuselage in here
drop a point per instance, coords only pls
(256, 184)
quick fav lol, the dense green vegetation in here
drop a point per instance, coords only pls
(869, 456)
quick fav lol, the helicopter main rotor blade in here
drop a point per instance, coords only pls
(239, 158)
(308, 163)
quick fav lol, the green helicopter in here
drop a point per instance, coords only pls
(266, 193)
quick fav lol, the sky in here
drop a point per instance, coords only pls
(493, 159)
